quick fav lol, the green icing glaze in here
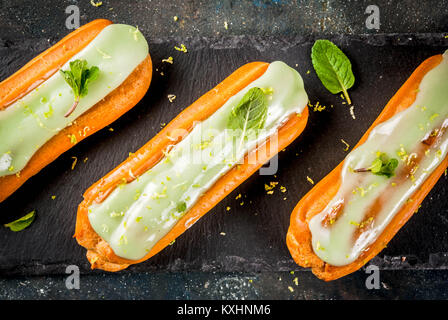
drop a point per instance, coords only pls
(138, 214)
(34, 119)
(399, 137)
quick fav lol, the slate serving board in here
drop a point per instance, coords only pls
(255, 232)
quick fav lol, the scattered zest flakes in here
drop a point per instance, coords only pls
(402, 153)
(309, 180)
(171, 97)
(238, 196)
(123, 239)
(49, 113)
(282, 189)
(53, 197)
(168, 60)
(182, 48)
(114, 214)
(270, 187)
(362, 191)
(228, 209)
(362, 224)
(319, 247)
(435, 115)
(226, 25)
(347, 146)
(175, 18)
(84, 131)
(296, 281)
(75, 161)
(223, 233)
(317, 107)
(268, 90)
(290, 288)
(72, 138)
(111, 129)
(96, 4)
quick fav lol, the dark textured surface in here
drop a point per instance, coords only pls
(404, 284)
(381, 65)
(25, 19)
(262, 221)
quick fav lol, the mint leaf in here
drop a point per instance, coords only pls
(77, 68)
(22, 223)
(68, 77)
(78, 78)
(376, 166)
(332, 67)
(250, 113)
(387, 168)
(381, 166)
(88, 76)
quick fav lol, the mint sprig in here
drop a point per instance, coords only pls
(78, 78)
(381, 166)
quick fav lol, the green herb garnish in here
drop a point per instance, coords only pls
(78, 78)
(381, 166)
(250, 113)
(22, 223)
(181, 206)
(332, 67)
